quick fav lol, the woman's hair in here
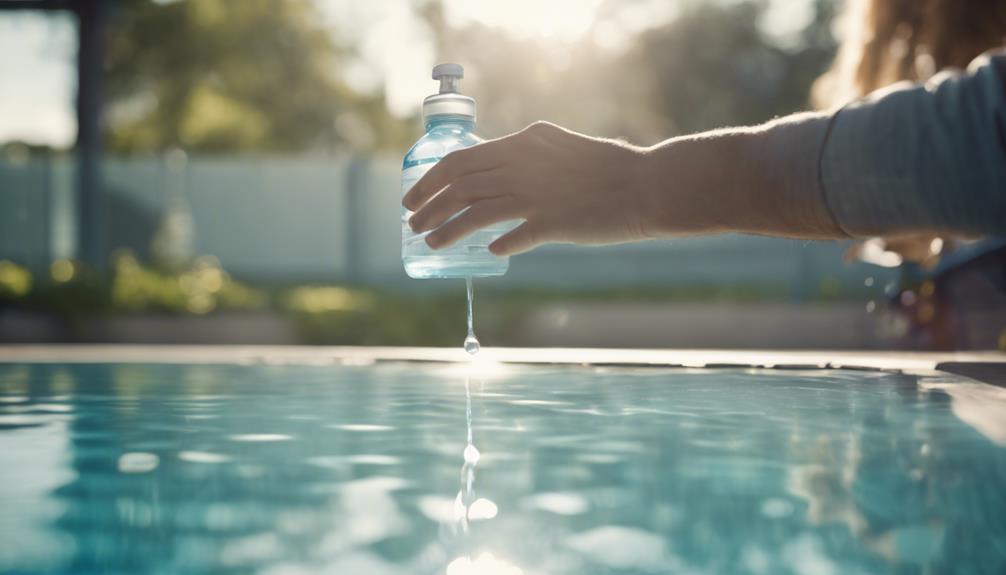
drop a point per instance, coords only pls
(887, 41)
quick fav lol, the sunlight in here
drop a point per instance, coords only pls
(484, 564)
(561, 20)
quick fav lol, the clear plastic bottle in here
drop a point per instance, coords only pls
(449, 118)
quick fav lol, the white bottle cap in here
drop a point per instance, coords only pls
(449, 101)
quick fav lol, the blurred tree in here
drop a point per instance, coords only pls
(518, 81)
(714, 65)
(228, 75)
(711, 65)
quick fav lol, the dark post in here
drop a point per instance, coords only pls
(90, 207)
(356, 183)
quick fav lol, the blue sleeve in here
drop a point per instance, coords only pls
(922, 158)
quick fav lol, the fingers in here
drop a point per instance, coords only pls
(480, 215)
(519, 240)
(478, 158)
(464, 192)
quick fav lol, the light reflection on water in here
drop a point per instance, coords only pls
(330, 469)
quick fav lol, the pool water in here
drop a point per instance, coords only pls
(286, 469)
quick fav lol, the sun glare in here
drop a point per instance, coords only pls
(560, 20)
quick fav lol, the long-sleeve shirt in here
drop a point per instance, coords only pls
(926, 157)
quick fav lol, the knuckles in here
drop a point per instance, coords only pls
(540, 128)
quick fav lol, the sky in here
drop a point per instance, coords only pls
(396, 49)
(37, 78)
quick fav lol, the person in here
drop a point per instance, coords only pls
(891, 41)
(909, 159)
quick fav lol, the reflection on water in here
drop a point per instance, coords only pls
(333, 469)
(469, 507)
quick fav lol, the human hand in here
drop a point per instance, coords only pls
(567, 187)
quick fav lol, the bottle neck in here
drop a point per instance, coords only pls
(449, 121)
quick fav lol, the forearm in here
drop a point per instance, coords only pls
(923, 159)
(760, 180)
(910, 161)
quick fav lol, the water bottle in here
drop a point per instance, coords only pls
(449, 118)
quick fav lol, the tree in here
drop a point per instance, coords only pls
(222, 76)
(713, 65)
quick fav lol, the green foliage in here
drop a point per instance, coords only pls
(200, 289)
(713, 66)
(262, 75)
(223, 75)
(320, 314)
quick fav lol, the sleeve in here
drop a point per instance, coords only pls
(922, 158)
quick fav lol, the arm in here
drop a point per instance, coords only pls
(913, 160)
(923, 158)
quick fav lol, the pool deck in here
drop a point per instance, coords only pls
(986, 366)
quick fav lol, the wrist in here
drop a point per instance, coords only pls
(790, 151)
(645, 197)
(685, 184)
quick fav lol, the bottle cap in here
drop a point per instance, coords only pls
(450, 77)
(449, 101)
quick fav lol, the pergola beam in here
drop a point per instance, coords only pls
(37, 5)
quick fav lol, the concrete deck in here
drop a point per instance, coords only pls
(904, 361)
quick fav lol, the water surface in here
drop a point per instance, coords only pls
(338, 469)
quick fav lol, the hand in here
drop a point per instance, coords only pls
(567, 187)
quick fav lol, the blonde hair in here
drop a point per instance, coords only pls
(888, 41)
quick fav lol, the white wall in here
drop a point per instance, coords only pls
(314, 219)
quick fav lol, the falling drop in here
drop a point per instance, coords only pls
(472, 454)
(471, 342)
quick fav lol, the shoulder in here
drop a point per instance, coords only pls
(992, 65)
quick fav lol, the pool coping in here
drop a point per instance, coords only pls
(984, 366)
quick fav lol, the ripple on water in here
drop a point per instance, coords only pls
(623, 548)
(559, 503)
(361, 427)
(482, 509)
(484, 564)
(203, 457)
(138, 462)
(437, 508)
(372, 459)
(776, 508)
(260, 437)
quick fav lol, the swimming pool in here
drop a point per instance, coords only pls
(343, 464)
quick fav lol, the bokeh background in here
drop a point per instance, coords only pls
(227, 171)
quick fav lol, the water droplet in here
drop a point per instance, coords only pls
(472, 454)
(868, 282)
(871, 306)
(472, 344)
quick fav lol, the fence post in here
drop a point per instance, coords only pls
(90, 207)
(356, 187)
